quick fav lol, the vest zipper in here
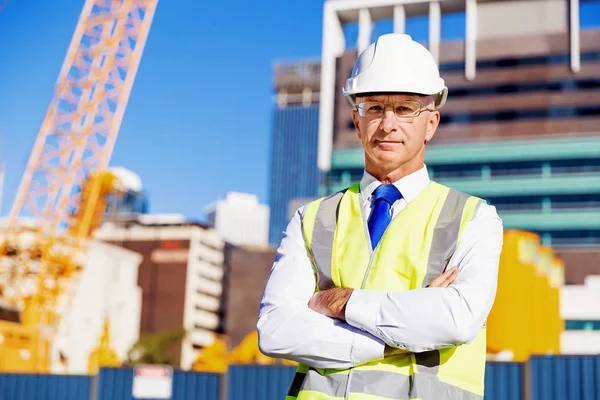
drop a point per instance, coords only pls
(362, 286)
(368, 236)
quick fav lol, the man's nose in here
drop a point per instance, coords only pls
(389, 121)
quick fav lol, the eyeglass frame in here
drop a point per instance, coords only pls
(407, 118)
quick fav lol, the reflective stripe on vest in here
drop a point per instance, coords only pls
(322, 239)
(445, 235)
(423, 382)
(378, 383)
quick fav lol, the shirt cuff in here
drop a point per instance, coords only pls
(366, 348)
(361, 309)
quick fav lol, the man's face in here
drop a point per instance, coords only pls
(389, 141)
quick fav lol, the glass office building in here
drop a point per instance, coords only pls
(294, 173)
(524, 134)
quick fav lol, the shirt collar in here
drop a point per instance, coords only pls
(409, 186)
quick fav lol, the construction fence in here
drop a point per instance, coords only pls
(541, 377)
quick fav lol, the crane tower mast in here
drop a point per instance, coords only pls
(81, 124)
(74, 143)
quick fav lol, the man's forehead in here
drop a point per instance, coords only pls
(391, 97)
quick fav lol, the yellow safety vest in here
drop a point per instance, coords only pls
(415, 248)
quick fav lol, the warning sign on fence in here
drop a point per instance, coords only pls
(152, 382)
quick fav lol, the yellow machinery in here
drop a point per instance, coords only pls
(215, 358)
(525, 318)
(557, 280)
(103, 355)
(30, 353)
(63, 185)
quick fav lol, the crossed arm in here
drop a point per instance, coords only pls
(341, 328)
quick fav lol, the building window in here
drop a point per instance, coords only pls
(554, 202)
(527, 87)
(582, 325)
(501, 63)
(586, 238)
(355, 174)
(521, 114)
(518, 168)
(575, 166)
(575, 202)
(457, 171)
(517, 203)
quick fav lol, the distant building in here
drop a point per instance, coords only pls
(248, 268)
(294, 172)
(520, 128)
(181, 277)
(579, 309)
(131, 200)
(108, 287)
(240, 219)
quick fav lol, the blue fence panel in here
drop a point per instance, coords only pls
(564, 377)
(503, 381)
(258, 382)
(196, 386)
(549, 378)
(114, 384)
(44, 387)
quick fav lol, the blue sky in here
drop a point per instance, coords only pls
(198, 122)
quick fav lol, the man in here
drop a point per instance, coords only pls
(353, 294)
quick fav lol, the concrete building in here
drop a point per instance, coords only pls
(520, 128)
(181, 277)
(240, 219)
(580, 311)
(294, 173)
(248, 269)
(107, 288)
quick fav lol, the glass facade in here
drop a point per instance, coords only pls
(582, 325)
(294, 171)
(525, 140)
(558, 198)
(128, 203)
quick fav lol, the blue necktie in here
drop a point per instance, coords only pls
(383, 198)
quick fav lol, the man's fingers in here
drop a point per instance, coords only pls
(441, 279)
(438, 281)
(445, 279)
(452, 277)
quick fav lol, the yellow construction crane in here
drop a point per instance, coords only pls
(64, 184)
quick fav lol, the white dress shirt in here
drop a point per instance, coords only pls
(416, 320)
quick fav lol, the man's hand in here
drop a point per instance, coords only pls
(331, 302)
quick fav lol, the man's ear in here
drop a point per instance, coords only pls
(432, 124)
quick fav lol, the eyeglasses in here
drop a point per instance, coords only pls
(406, 110)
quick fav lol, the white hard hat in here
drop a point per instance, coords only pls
(396, 63)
